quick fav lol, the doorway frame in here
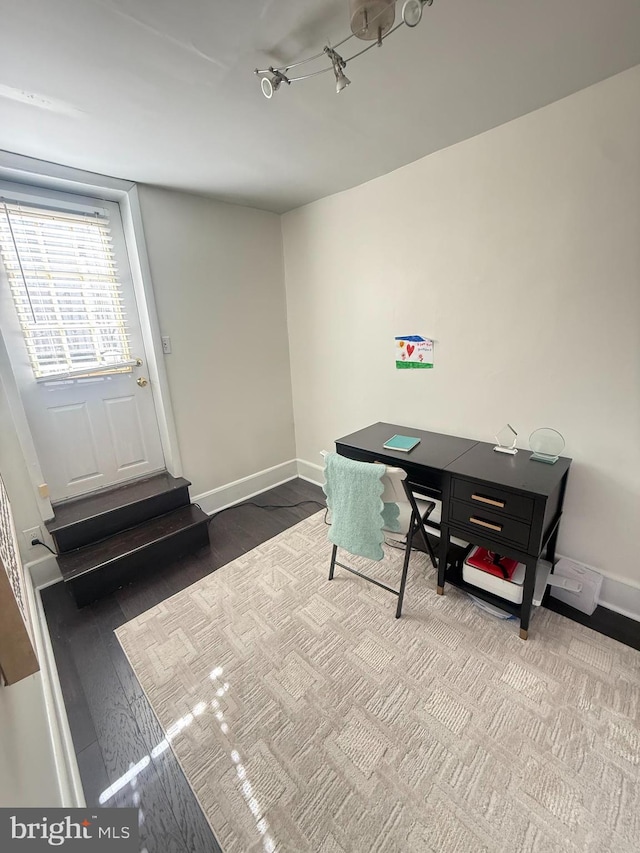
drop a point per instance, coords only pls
(50, 176)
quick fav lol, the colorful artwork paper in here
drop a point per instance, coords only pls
(413, 352)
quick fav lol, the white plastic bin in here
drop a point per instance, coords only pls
(509, 589)
(587, 599)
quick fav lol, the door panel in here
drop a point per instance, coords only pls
(74, 442)
(91, 431)
(89, 436)
(125, 431)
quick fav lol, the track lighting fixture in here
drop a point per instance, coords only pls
(371, 20)
(338, 64)
(412, 12)
(271, 84)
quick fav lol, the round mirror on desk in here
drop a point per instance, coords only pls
(547, 445)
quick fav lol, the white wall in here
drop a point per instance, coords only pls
(219, 288)
(517, 251)
(15, 474)
(27, 767)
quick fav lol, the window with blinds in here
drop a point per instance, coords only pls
(64, 282)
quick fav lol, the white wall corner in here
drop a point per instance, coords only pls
(247, 487)
(310, 472)
(59, 744)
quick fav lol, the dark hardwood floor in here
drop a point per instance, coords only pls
(112, 724)
(604, 621)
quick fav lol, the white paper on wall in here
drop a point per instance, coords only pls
(413, 351)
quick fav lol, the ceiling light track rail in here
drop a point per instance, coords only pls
(371, 20)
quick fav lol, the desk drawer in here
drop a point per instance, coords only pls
(487, 497)
(490, 524)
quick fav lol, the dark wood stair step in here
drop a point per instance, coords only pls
(88, 519)
(103, 567)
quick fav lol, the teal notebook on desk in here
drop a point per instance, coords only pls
(404, 443)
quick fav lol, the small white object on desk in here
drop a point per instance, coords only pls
(506, 439)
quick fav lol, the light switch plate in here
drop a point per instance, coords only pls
(166, 344)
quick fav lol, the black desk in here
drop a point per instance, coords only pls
(508, 504)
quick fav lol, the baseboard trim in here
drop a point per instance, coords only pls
(44, 571)
(310, 472)
(39, 574)
(620, 597)
(247, 487)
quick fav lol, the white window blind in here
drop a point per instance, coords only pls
(64, 282)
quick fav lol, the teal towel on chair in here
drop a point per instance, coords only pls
(354, 496)
(391, 516)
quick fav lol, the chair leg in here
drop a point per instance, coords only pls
(427, 545)
(418, 521)
(334, 553)
(405, 569)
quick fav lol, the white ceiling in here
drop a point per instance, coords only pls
(162, 91)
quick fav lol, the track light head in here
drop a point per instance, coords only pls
(412, 12)
(338, 63)
(341, 81)
(271, 84)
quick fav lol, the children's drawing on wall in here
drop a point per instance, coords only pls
(413, 351)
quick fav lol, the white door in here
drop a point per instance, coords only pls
(72, 331)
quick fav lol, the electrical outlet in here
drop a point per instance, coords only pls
(166, 344)
(31, 534)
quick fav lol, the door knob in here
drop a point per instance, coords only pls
(141, 381)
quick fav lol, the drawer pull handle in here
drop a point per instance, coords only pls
(488, 524)
(491, 501)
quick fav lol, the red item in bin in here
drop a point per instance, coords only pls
(494, 564)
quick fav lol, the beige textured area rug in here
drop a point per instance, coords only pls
(307, 718)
